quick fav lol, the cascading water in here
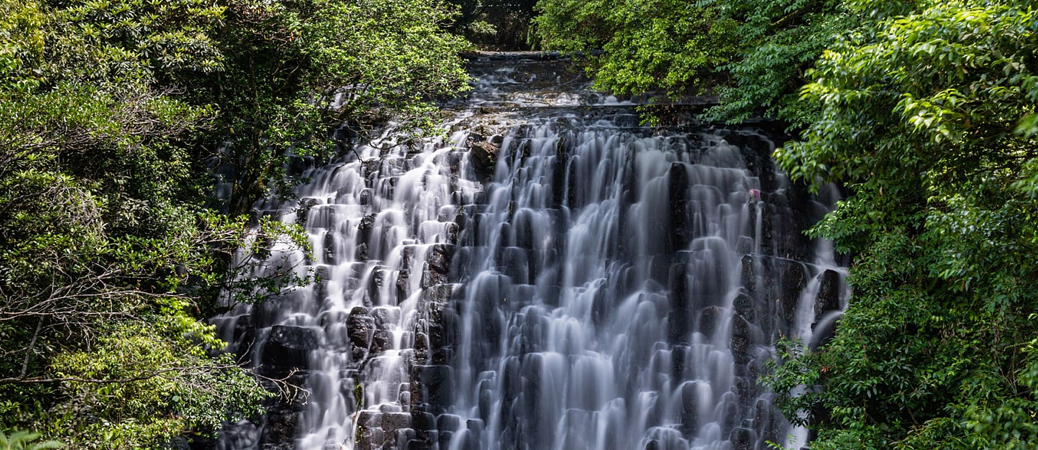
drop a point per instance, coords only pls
(552, 276)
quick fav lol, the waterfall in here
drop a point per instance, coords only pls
(551, 275)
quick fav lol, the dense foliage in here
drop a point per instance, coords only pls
(495, 24)
(651, 45)
(928, 116)
(778, 41)
(118, 118)
(752, 53)
(926, 112)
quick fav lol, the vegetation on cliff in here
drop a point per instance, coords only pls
(925, 111)
(115, 118)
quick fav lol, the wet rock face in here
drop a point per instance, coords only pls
(828, 293)
(680, 230)
(361, 328)
(792, 283)
(288, 348)
(439, 265)
(432, 388)
(742, 339)
(483, 154)
(282, 426)
(364, 231)
(710, 320)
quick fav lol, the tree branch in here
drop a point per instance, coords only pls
(28, 351)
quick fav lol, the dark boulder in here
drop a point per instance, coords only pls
(403, 277)
(689, 408)
(680, 230)
(748, 273)
(367, 224)
(281, 425)
(483, 155)
(381, 341)
(424, 425)
(438, 266)
(289, 346)
(743, 439)
(369, 419)
(395, 421)
(742, 339)
(793, 282)
(828, 293)
(744, 306)
(371, 438)
(375, 283)
(709, 318)
(432, 387)
(360, 327)
(448, 422)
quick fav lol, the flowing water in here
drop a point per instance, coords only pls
(551, 275)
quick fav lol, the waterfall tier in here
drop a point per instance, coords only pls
(552, 275)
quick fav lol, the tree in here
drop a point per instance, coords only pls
(113, 251)
(927, 117)
(753, 53)
(295, 71)
(778, 42)
(668, 46)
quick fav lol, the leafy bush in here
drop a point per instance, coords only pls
(115, 117)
